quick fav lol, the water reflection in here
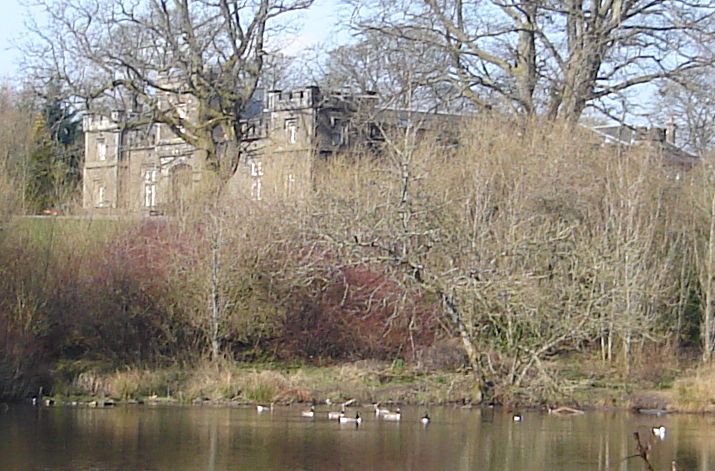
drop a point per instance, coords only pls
(217, 439)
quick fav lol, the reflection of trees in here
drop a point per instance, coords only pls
(183, 439)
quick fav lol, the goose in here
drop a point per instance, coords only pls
(425, 419)
(308, 413)
(260, 408)
(517, 418)
(392, 416)
(380, 411)
(659, 432)
(351, 420)
(335, 415)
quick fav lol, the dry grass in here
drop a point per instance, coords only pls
(696, 393)
(363, 381)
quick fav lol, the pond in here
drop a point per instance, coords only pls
(145, 438)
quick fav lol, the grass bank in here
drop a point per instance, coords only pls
(583, 385)
(365, 381)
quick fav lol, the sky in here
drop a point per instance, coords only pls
(11, 25)
(319, 24)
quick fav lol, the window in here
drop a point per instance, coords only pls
(101, 196)
(151, 178)
(291, 126)
(290, 184)
(182, 109)
(101, 149)
(257, 183)
(340, 131)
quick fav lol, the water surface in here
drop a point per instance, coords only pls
(145, 438)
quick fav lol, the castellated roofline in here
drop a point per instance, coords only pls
(94, 122)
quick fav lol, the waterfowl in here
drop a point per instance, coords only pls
(335, 415)
(308, 413)
(379, 410)
(260, 408)
(659, 432)
(392, 416)
(517, 418)
(351, 420)
(425, 419)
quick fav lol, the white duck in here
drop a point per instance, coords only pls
(659, 432)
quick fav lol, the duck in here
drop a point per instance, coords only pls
(310, 413)
(392, 416)
(260, 408)
(517, 418)
(425, 420)
(379, 411)
(335, 415)
(357, 420)
(659, 432)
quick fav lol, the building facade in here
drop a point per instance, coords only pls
(148, 169)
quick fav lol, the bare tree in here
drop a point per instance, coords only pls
(504, 237)
(399, 71)
(192, 65)
(280, 72)
(17, 114)
(702, 237)
(689, 105)
(553, 58)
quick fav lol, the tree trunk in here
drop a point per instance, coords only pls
(215, 292)
(525, 72)
(707, 330)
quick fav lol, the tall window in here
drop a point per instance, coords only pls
(101, 196)
(340, 131)
(101, 149)
(290, 184)
(182, 109)
(151, 177)
(291, 126)
(257, 180)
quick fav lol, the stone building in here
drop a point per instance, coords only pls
(148, 169)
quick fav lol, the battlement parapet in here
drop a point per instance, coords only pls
(278, 100)
(97, 123)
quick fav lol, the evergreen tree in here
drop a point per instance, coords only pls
(55, 161)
